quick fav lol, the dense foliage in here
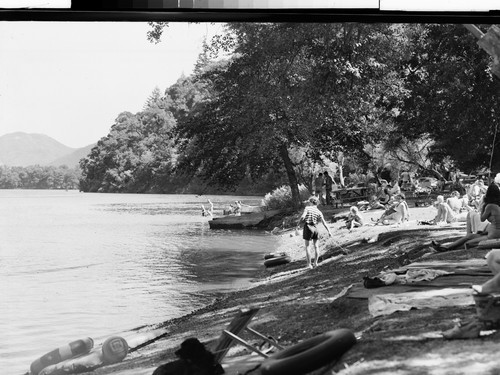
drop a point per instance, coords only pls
(39, 177)
(290, 99)
(281, 197)
(453, 98)
(136, 156)
(310, 88)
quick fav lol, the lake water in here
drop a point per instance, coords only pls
(75, 264)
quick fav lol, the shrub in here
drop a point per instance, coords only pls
(281, 198)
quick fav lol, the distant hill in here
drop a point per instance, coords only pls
(22, 149)
(73, 159)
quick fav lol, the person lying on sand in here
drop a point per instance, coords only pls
(490, 211)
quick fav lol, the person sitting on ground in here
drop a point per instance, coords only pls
(472, 328)
(473, 220)
(455, 202)
(493, 284)
(354, 219)
(444, 212)
(397, 213)
(465, 203)
(384, 195)
(475, 193)
(456, 205)
(372, 204)
(406, 209)
(489, 211)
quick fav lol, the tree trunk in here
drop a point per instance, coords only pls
(292, 177)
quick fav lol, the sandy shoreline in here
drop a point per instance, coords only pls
(297, 303)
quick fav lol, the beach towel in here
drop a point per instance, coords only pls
(385, 304)
(411, 276)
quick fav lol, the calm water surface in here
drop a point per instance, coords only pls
(74, 265)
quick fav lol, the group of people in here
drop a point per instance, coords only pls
(324, 183)
(452, 209)
(477, 208)
(481, 223)
(386, 196)
(396, 211)
(233, 209)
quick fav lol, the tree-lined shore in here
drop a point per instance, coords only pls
(274, 103)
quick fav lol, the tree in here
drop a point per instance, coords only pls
(453, 97)
(287, 86)
(137, 154)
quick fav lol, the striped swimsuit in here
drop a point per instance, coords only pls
(313, 214)
(312, 217)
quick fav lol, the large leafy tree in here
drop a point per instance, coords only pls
(454, 97)
(289, 86)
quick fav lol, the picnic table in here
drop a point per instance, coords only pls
(349, 195)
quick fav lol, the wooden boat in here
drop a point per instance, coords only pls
(243, 221)
(252, 209)
(247, 210)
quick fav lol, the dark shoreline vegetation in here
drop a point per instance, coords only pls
(39, 177)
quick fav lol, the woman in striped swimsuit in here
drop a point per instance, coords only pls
(311, 216)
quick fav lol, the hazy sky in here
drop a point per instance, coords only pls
(70, 80)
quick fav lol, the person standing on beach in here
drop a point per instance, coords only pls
(311, 217)
(318, 187)
(328, 188)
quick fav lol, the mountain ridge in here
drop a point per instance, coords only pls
(20, 149)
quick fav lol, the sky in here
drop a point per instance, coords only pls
(70, 80)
